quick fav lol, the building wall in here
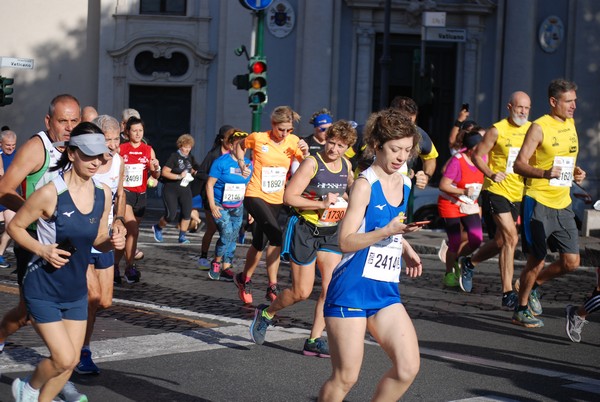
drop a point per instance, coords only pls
(61, 37)
(327, 60)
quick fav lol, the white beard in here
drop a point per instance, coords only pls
(519, 121)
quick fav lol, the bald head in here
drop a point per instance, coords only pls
(88, 114)
(518, 107)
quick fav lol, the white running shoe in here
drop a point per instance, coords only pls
(70, 394)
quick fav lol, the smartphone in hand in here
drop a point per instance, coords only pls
(419, 223)
(66, 245)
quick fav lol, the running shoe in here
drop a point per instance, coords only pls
(450, 280)
(227, 275)
(574, 323)
(132, 275)
(183, 240)
(86, 365)
(509, 300)
(4, 263)
(526, 319)
(70, 394)
(259, 325)
(319, 347)
(272, 292)
(534, 302)
(215, 271)
(139, 254)
(117, 279)
(466, 274)
(158, 236)
(203, 264)
(244, 288)
(22, 393)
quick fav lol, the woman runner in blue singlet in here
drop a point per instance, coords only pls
(363, 293)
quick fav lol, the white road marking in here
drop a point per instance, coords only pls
(138, 347)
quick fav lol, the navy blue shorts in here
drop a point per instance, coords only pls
(333, 310)
(102, 260)
(45, 311)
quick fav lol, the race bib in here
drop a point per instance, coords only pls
(133, 175)
(567, 165)
(233, 192)
(476, 190)
(512, 157)
(273, 179)
(384, 260)
(334, 213)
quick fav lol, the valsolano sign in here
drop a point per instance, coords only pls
(445, 35)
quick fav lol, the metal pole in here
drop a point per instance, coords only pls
(386, 59)
(259, 35)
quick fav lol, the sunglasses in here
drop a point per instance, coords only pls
(239, 134)
(323, 129)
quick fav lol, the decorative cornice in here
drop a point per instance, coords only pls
(162, 47)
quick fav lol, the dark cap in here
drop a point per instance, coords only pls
(471, 139)
(468, 123)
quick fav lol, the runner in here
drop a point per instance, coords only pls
(317, 191)
(225, 190)
(140, 161)
(273, 152)
(548, 159)
(363, 293)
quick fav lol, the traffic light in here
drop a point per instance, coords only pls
(242, 81)
(5, 91)
(257, 92)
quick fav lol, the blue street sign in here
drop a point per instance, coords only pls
(257, 4)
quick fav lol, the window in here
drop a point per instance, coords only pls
(176, 65)
(163, 7)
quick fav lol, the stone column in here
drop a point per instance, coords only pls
(363, 89)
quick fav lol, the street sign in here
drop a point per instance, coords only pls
(445, 35)
(16, 62)
(434, 19)
(257, 4)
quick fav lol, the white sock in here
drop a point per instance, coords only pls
(29, 390)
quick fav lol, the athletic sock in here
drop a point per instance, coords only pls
(267, 315)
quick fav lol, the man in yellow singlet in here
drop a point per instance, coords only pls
(547, 159)
(501, 196)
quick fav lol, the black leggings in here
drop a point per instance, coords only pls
(266, 226)
(173, 196)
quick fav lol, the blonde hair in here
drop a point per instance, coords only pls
(185, 140)
(284, 114)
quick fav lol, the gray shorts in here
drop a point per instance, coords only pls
(302, 241)
(548, 227)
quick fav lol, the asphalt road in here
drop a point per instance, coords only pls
(178, 336)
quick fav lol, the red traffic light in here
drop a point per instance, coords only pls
(259, 67)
